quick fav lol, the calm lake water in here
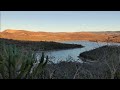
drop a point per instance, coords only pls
(72, 54)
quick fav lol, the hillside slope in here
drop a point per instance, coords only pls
(59, 36)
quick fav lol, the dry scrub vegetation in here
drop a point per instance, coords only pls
(17, 64)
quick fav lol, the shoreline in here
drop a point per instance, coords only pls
(60, 40)
(99, 53)
(41, 45)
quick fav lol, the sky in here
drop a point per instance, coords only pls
(60, 21)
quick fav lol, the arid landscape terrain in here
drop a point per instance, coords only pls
(60, 45)
(60, 36)
(25, 49)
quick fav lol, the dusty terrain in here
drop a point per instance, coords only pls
(60, 36)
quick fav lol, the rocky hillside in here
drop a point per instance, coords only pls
(59, 36)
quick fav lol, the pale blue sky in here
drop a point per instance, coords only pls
(61, 21)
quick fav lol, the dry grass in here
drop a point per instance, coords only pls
(61, 36)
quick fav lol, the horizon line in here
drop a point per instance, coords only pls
(56, 31)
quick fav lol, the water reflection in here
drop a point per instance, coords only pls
(72, 54)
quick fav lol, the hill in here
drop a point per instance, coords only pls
(60, 36)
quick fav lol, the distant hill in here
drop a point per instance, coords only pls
(108, 32)
(59, 36)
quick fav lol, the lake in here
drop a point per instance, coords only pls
(72, 54)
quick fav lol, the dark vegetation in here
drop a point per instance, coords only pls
(107, 66)
(41, 45)
(107, 55)
(75, 70)
(17, 64)
(98, 53)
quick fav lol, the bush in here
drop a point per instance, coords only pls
(16, 64)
